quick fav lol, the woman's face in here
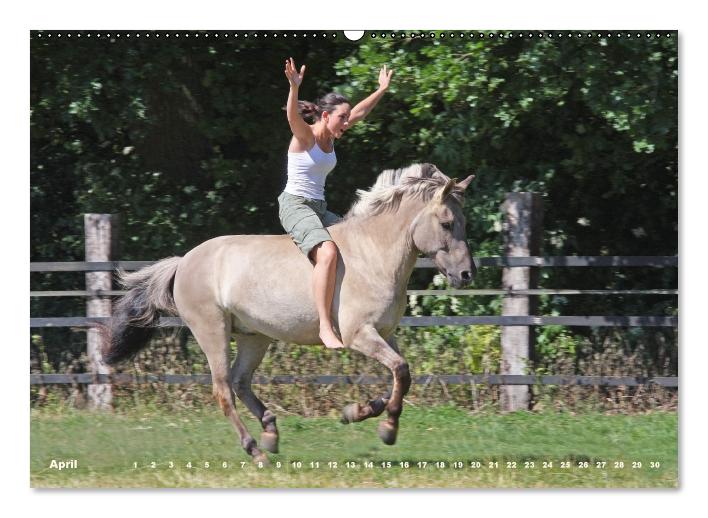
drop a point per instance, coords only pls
(337, 122)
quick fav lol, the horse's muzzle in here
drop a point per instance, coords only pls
(457, 275)
(462, 280)
(457, 265)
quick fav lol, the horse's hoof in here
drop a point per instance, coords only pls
(387, 432)
(378, 406)
(261, 459)
(350, 413)
(269, 441)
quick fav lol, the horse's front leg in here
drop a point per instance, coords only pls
(356, 412)
(370, 343)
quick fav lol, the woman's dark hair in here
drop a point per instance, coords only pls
(312, 112)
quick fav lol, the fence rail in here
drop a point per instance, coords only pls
(435, 293)
(577, 321)
(425, 379)
(660, 261)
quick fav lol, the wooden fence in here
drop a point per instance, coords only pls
(515, 288)
(421, 321)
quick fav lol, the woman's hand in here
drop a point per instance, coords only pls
(384, 78)
(292, 74)
(362, 109)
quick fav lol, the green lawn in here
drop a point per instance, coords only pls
(200, 449)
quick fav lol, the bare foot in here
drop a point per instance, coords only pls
(330, 339)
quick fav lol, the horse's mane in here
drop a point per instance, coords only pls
(418, 180)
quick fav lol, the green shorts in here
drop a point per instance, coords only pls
(305, 220)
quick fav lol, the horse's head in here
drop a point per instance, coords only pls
(439, 233)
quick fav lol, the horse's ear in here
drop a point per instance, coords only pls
(442, 193)
(466, 182)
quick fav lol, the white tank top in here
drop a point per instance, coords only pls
(307, 172)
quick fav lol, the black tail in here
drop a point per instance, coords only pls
(136, 313)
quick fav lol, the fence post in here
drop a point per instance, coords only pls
(100, 234)
(522, 235)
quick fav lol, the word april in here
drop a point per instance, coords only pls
(60, 465)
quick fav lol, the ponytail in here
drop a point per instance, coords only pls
(312, 112)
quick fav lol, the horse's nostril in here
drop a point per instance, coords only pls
(466, 275)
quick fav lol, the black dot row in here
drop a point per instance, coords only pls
(206, 35)
(530, 35)
(382, 35)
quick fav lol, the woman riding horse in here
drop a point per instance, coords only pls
(311, 157)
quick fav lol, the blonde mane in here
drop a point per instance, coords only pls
(418, 181)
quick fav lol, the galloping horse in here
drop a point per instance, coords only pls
(258, 288)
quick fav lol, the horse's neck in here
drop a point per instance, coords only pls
(386, 242)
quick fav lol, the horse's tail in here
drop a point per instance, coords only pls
(136, 312)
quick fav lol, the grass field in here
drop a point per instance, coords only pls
(437, 447)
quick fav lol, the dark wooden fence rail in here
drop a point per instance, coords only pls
(598, 321)
(424, 379)
(656, 261)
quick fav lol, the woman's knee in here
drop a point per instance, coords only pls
(326, 252)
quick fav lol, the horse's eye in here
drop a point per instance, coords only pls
(447, 225)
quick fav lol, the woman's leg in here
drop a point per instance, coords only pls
(324, 278)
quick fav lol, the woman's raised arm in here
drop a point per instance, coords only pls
(301, 130)
(362, 109)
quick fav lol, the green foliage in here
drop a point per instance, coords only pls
(474, 349)
(183, 137)
(553, 345)
(584, 123)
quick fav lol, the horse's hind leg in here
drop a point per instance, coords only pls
(251, 349)
(212, 330)
(369, 342)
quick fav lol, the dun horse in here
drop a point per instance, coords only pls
(258, 288)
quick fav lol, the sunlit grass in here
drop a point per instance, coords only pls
(200, 449)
